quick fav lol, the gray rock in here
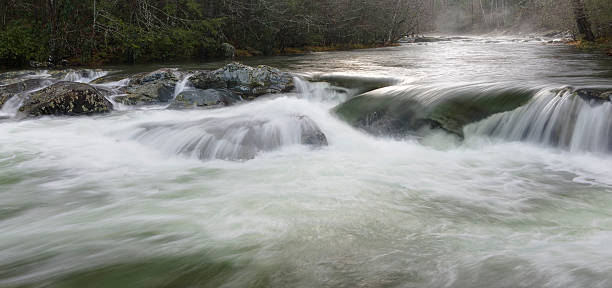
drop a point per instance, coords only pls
(150, 88)
(247, 81)
(204, 98)
(160, 74)
(66, 98)
(8, 91)
(596, 94)
(149, 93)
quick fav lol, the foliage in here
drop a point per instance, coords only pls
(21, 42)
(131, 31)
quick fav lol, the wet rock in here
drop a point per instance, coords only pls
(66, 98)
(150, 93)
(157, 75)
(249, 82)
(597, 94)
(150, 88)
(204, 98)
(312, 135)
(8, 91)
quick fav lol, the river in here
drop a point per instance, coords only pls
(89, 202)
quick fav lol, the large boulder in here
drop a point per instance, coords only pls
(66, 98)
(150, 88)
(246, 81)
(204, 98)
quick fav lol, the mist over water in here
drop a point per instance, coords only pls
(151, 197)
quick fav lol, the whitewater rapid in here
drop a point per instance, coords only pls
(92, 202)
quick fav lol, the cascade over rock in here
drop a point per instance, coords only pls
(66, 98)
(401, 110)
(568, 118)
(8, 91)
(232, 138)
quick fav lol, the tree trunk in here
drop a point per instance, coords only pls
(584, 27)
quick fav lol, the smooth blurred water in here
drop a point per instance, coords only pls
(85, 203)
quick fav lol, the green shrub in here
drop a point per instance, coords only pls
(22, 42)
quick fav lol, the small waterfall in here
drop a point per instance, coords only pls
(182, 85)
(112, 90)
(556, 118)
(322, 91)
(231, 138)
(12, 105)
(84, 76)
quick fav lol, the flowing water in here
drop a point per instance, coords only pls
(151, 197)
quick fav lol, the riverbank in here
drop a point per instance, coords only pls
(600, 45)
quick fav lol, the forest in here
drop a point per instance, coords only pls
(96, 32)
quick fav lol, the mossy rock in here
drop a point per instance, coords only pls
(245, 80)
(66, 98)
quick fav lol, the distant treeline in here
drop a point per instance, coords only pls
(519, 15)
(140, 31)
(137, 31)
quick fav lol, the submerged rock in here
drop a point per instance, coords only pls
(402, 110)
(248, 82)
(232, 138)
(204, 98)
(359, 84)
(66, 98)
